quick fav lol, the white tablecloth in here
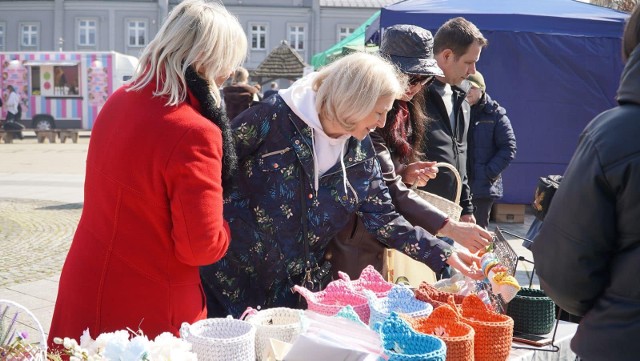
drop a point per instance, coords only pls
(565, 333)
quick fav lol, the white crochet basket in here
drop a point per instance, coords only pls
(15, 318)
(221, 339)
(280, 323)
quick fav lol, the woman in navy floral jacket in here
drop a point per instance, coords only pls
(306, 164)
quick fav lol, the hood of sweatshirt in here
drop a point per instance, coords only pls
(327, 151)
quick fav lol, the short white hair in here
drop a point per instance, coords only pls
(349, 88)
(197, 33)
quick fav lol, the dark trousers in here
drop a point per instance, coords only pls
(11, 117)
(482, 210)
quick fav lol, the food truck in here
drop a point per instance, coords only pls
(63, 90)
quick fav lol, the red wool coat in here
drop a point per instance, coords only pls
(152, 214)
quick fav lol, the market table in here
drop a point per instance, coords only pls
(564, 334)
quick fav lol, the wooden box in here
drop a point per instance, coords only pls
(508, 213)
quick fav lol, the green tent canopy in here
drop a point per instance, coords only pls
(353, 42)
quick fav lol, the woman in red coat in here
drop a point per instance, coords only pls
(159, 155)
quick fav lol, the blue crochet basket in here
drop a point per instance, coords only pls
(400, 299)
(403, 343)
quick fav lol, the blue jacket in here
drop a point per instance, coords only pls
(492, 146)
(266, 256)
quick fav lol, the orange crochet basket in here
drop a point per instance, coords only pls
(445, 324)
(494, 331)
(428, 293)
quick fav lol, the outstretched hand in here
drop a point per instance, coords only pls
(469, 235)
(466, 263)
(419, 173)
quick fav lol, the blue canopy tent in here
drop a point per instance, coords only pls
(553, 64)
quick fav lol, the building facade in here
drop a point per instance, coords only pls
(309, 26)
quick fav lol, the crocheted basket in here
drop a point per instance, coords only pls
(445, 324)
(452, 209)
(334, 297)
(217, 339)
(370, 279)
(403, 343)
(280, 323)
(400, 299)
(494, 332)
(434, 296)
(532, 312)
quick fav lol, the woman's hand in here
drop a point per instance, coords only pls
(466, 263)
(419, 173)
(469, 235)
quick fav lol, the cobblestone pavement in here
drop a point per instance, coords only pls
(36, 236)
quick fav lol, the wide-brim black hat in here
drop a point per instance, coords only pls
(410, 48)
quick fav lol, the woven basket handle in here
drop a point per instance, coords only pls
(455, 173)
(308, 295)
(248, 313)
(343, 276)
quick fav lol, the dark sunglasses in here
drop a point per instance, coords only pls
(421, 79)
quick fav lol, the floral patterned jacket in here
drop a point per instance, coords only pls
(273, 195)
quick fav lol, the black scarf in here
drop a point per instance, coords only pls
(200, 89)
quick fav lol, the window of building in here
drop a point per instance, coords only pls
(87, 29)
(137, 33)
(258, 34)
(29, 34)
(297, 36)
(2, 27)
(344, 31)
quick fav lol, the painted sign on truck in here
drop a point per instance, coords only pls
(64, 90)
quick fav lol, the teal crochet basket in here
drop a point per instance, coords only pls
(532, 312)
(403, 343)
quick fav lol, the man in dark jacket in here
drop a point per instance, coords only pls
(457, 47)
(587, 253)
(492, 147)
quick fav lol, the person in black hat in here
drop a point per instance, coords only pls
(492, 147)
(398, 146)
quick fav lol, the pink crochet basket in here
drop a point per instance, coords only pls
(334, 297)
(371, 280)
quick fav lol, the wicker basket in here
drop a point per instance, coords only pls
(532, 312)
(452, 209)
(400, 299)
(218, 339)
(15, 318)
(494, 332)
(333, 298)
(445, 324)
(280, 323)
(428, 293)
(401, 342)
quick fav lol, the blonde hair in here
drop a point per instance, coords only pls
(241, 75)
(348, 89)
(197, 33)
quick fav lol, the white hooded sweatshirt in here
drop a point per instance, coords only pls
(327, 151)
